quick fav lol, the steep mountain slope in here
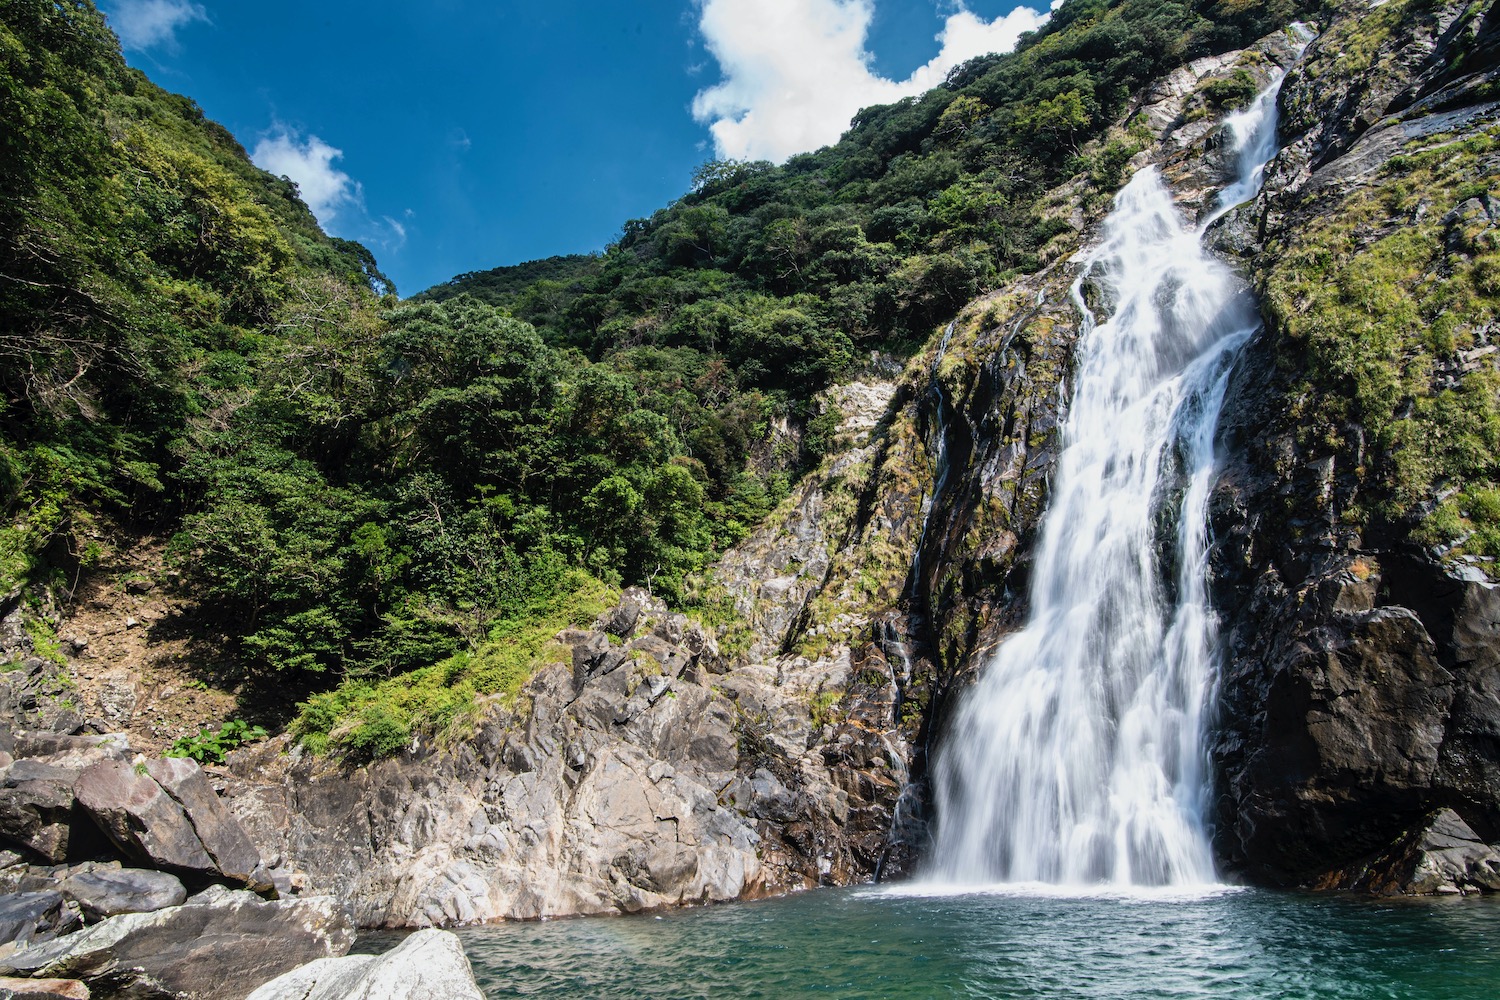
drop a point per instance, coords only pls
(905, 556)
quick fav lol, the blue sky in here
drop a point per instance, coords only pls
(457, 135)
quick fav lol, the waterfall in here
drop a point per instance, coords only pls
(1078, 756)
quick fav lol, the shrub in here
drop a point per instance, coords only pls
(208, 746)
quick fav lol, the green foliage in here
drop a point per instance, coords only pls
(390, 506)
(792, 272)
(1381, 323)
(823, 707)
(364, 720)
(209, 746)
(43, 638)
(1230, 93)
(818, 438)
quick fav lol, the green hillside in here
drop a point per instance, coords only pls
(356, 487)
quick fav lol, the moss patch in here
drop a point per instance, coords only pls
(1387, 301)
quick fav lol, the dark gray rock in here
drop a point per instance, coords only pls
(220, 833)
(28, 917)
(621, 620)
(218, 946)
(1360, 694)
(36, 808)
(140, 817)
(35, 744)
(110, 892)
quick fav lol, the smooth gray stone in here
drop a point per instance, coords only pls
(108, 893)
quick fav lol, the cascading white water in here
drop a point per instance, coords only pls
(1077, 758)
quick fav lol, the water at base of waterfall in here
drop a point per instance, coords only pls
(897, 945)
(1077, 758)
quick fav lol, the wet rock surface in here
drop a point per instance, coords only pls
(1360, 692)
(1441, 856)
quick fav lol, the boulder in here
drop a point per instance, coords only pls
(27, 917)
(42, 989)
(36, 808)
(108, 893)
(428, 964)
(217, 829)
(140, 817)
(1443, 856)
(166, 813)
(216, 946)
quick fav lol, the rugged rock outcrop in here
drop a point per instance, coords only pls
(654, 769)
(41, 915)
(165, 813)
(1361, 685)
(220, 944)
(646, 772)
(667, 762)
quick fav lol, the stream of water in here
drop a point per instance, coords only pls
(1072, 860)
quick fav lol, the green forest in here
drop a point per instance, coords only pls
(389, 505)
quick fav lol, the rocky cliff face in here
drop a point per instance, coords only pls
(655, 768)
(1360, 697)
(1355, 742)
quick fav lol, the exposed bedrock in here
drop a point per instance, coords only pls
(1360, 695)
(645, 772)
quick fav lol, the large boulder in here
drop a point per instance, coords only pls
(217, 829)
(140, 817)
(216, 946)
(166, 814)
(110, 892)
(429, 964)
(1441, 856)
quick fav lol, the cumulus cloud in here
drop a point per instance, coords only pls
(148, 24)
(309, 162)
(796, 71)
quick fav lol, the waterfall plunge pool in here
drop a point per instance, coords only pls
(910, 943)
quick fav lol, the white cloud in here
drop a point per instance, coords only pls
(146, 24)
(796, 71)
(396, 234)
(309, 162)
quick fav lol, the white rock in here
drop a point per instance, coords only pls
(429, 965)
